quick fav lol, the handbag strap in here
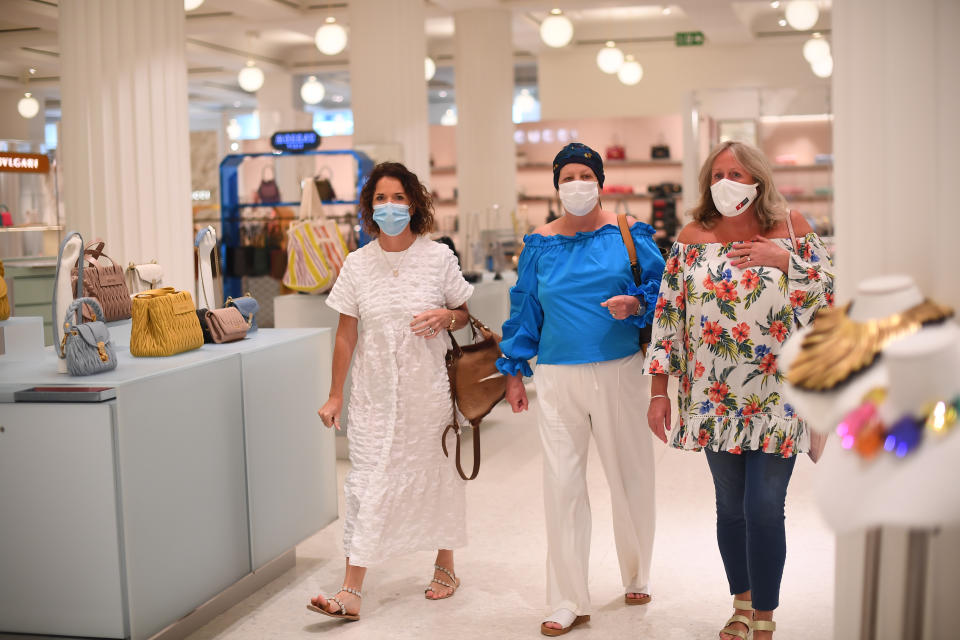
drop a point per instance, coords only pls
(631, 248)
(793, 236)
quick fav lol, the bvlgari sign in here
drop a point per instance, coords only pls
(24, 162)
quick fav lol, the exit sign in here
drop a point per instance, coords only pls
(689, 38)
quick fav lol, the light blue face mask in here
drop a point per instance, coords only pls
(392, 218)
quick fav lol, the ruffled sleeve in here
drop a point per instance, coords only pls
(669, 319)
(810, 279)
(456, 290)
(343, 296)
(521, 332)
(651, 264)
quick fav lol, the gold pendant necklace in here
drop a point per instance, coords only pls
(394, 269)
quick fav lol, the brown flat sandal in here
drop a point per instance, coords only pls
(454, 586)
(549, 631)
(342, 614)
(644, 599)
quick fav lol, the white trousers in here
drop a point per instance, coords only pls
(608, 399)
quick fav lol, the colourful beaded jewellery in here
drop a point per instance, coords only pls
(864, 431)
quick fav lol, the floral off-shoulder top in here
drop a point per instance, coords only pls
(720, 328)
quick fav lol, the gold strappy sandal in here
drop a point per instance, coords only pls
(744, 620)
(454, 586)
(342, 614)
(763, 625)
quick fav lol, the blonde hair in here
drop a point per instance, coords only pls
(770, 206)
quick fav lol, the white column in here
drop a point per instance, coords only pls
(486, 152)
(124, 141)
(897, 93)
(389, 91)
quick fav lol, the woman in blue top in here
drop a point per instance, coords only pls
(576, 308)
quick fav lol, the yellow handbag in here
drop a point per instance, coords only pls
(4, 298)
(164, 323)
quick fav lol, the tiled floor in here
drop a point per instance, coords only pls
(503, 567)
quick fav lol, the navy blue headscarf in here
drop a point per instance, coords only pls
(579, 153)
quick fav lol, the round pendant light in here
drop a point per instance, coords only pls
(331, 38)
(557, 30)
(802, 14)
(609, 59)
(429, 68)
(524, 102)
(233, 129)
(630, 73)
(312, 91)
(449, 118)
(816, 49)
(190, 5)
(28, 106)
(823, 68)
(250, 77)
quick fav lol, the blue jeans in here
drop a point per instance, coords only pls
(751, 489)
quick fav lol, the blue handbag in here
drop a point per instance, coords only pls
(86, 346)
(248, 307)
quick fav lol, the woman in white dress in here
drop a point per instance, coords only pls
(396, 296)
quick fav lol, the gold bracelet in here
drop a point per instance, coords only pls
(453, 321)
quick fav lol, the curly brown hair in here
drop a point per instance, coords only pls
(421, 202)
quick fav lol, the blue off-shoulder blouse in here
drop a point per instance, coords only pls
(555, 311)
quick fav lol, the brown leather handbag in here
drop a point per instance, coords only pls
(226, 325)
(475, 386)
(105, 282)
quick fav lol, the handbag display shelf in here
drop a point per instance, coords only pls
(231, 208)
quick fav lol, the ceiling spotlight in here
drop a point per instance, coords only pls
(32, 71)
(337, 98)
(802, 14)
(556, 30)
(312, 91)
(524, 103)
(236, 105)
(609, 58)
(250, 77)
(823, 68)
(631, 72)
(28, 106)
(775, 4)
(666, 11)
(190, 5)
(816, 49)
(331, 38)
(234, 146)
(782, 22)
(429, 68)
(449, 118)
(443, 94)
(233, 129)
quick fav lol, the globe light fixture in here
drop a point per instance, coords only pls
(524, 102)
(557, 30)
(250, 77)
(609, 59)
(631, 72)
(190, 5)
(312, 91)
(28, 106)
(331, 38)
(802, 14)
(429, 68)
(816, 49)
(823, 68)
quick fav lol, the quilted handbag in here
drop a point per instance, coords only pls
(204, 327)
(105, 282)
(315, 249)
(143, 277)
(164, 323)
(248, 307)
(4, 298)
(86, 346)
(226, 325)
(475, 386)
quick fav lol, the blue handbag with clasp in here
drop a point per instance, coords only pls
(248, 307)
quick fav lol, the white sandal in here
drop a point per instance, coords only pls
(342, 614)
(566, 619)
(454, 586)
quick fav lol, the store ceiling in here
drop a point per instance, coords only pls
(278, 34)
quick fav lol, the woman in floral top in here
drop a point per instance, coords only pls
(732, 291)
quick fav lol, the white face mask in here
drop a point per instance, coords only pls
(733, 198)
(579, 197)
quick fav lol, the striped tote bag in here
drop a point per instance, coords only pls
(315, 248)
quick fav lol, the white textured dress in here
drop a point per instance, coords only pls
(402, 494)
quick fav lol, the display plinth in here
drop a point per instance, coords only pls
(21, 336)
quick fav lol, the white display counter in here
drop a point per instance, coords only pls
(122, 517)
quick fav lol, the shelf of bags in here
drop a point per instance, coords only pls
(804, 167)
(603, 196)
(607, 164)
